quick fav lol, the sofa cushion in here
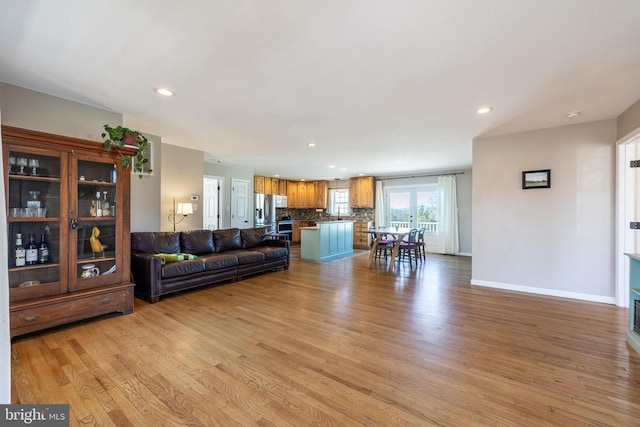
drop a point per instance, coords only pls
(252, 237)
(219, 261)
(182, 268)
(272, 252)
(247, 257)
(167, 242)
(227, 240)
(197, 242)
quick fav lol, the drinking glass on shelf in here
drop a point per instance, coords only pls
(12, 163)
(33, 202)
(34, 164)
(22, 162)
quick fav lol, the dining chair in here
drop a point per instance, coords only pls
(422, 245)
(384, 245)
(409, 247)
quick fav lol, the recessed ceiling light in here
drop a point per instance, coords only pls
(332, 166)
(302, 179)
(163, 91)
(573, 114)
(343, 169)
(276, 175)
(484, 110)
(360, 174)
(311, 144)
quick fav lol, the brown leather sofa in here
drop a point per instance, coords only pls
(222, 256)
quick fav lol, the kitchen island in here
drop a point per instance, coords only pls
(327, 241)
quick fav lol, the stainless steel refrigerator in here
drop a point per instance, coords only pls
(265, 211)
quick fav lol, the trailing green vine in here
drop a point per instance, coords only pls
(118, 137)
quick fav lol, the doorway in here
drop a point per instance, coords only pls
(627, 211)
(212, 195)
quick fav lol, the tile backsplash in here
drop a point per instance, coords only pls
(363, 214)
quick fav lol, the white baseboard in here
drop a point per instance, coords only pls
(464, 254)
(543, 291)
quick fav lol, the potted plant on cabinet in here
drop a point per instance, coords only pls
(118, 137)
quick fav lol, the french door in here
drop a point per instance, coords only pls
(413, 207)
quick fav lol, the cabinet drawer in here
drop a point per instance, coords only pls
(58, 311)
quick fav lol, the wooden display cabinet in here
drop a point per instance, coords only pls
(55, 195)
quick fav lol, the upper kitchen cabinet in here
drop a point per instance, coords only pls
(282, 187)
(292, 194)
(361, 192)
(322, 190)
(302, 195)
(258, 184)
(311, 195)
(268, 185)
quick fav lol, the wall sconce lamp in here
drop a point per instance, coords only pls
(184, 209)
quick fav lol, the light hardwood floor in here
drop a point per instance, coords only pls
(340, 344)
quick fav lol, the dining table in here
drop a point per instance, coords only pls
(397, 233)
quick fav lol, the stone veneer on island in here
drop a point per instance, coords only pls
(327, 241)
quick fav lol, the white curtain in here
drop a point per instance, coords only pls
(379, 218)
(448, 241)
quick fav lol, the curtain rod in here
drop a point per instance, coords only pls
(419, 176)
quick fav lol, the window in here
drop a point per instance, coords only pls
(339, 202)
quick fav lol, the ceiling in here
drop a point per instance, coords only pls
(382, 87)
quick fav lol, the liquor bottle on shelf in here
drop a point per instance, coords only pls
(43, 250)
(98, 204)
(20, 252)
(105, 205)
(31, 256)
(114, 174)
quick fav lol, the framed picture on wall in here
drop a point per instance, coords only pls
(536, 179)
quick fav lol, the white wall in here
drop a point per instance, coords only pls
(37, 111)
(557, 241)
(182, 174)
(145, 193)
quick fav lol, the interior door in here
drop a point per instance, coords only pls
(211, 203)
(240, 203)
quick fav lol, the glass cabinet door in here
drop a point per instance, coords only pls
(36, 218)
(96, 228)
